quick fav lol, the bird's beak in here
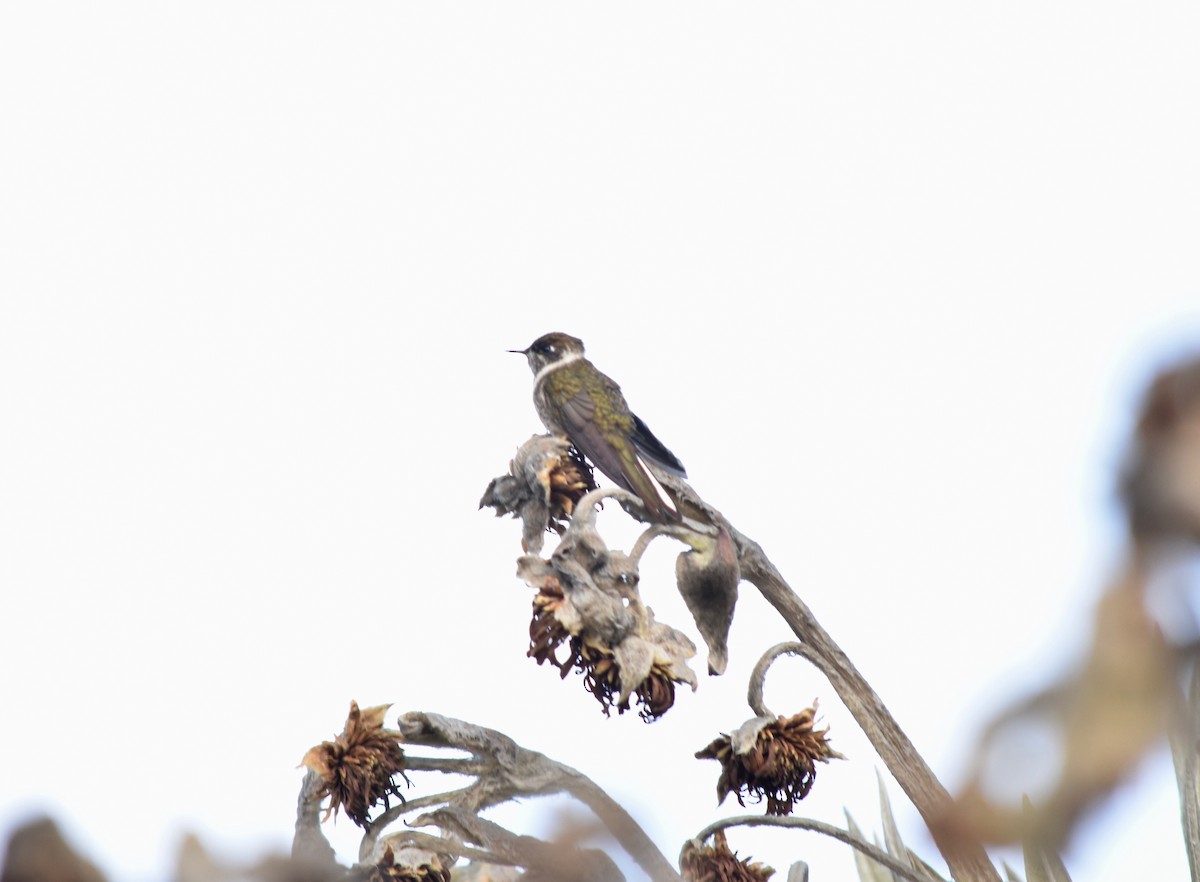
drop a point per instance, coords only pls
(519, 351)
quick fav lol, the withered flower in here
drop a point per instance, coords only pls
(546, 480)
(388, 870)
(569, 479)
(546, 632)
(604, 676)
(770, 758)
(718, 863)
(359, 765)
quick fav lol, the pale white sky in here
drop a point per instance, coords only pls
(886, 277)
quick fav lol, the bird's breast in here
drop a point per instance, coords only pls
(546, 411)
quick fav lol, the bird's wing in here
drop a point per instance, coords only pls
(577, 418)
(653, 450)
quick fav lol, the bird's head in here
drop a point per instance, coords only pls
(550, 348)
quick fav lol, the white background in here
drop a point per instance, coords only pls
(887, 277)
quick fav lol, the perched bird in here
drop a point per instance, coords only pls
(577, 401)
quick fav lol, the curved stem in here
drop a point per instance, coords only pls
(621, 824)
(967, 859)
(643, 542)
(585, 509)
(446, 846)
(758, 676)
(873, 852)
(371, 836)
(309, 842)
(685, 534)
(517, 771)
(450, 765)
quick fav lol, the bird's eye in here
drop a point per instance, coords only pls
(550, 350)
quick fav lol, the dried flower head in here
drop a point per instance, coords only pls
(546, 480)
(602, 677)
(718, 863)
(546, 632)
(386, 869)
(568, 480)
(359, 766)
(597, 662)
(645, 666)
(772, 759)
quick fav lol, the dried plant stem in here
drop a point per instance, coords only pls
(444, 798)
(759, 675)
(967, 860)
(643, 542)
(367, 845)
(309, 843)
(515, 771)
(438, 844)
(449, 765)
(873, 852)
(621, 824)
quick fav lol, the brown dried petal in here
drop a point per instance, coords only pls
(359, 765)
(718, 863)
(568, 479)
(778, 765)
(546, 632)
(655, 692)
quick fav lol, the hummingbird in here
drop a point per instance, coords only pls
(577, 401)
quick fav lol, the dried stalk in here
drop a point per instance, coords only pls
(514, 771)
(758, 676)
(965, 856)
(967, 860)
(309, 843)
(439, 844)
(872, 851)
